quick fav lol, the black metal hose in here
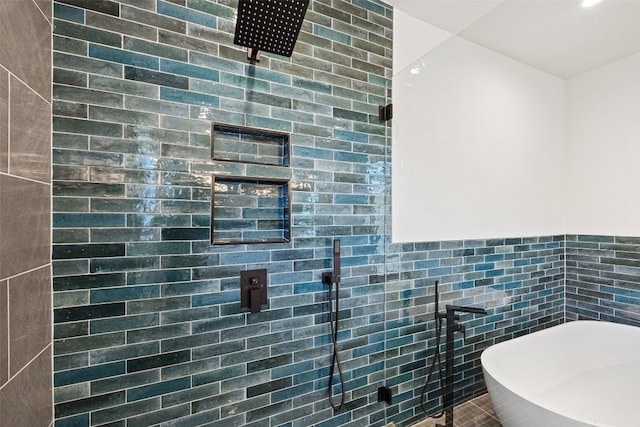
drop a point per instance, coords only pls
(335, 359)
(436, 359)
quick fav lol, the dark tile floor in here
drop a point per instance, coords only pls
(475, 413)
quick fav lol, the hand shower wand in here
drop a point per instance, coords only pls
(331, 278)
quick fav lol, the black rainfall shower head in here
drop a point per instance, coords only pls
(269, 25)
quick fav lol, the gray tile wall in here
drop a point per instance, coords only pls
(25, 214)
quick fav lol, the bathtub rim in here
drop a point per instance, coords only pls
(531, 398)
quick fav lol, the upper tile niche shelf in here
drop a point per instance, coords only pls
(233, 143)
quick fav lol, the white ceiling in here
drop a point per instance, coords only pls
(557, 36)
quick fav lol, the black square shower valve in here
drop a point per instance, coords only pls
(253, 289)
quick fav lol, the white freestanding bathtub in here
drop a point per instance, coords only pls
(582, 373)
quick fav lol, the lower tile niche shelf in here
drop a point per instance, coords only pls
(248, 210)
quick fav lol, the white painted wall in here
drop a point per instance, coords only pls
(477, 142)
(603, 150)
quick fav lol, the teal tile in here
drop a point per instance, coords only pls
(88, 220)
(215, 62)
(193, 44)
(63, 45)
(218, 89)
(328, 33)
(82, 32)
(113, 204)
(123, 323)
(125, 263)
(157, 220)
(89, 127)
(117, 175)
(159, 304)
(70, 173)
(122, 26)
(123, 116)
(158, 192)
(159, 276)
(157, 248)
(184, 152)
(91, 189)
(252, 81)
(184, 14)
(157, 389)
(123, 57)
(182, 124)
(146, 133)
(90, 65)
(160, 332)
(144, 162)
(70, 204)
(64, 267)
(155, 49)
(125, 293)
(68, 13)
(177, 95)
(141, 16)
(125, 234)
(156, 106)
(88, 373)
(215, 9)
(156, 77)
(69, 77)
(87, 96)
(86, 158)
(116, 145)
(126, 87)
(264, 98)
(69, 109)
(189, 70)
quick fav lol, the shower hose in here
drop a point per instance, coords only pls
(436, 360)
(335, 359)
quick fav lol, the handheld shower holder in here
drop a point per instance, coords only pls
(329, 278)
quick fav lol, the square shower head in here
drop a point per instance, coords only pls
(270, 25)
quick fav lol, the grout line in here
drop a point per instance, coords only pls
(27, 271)
(49, 19)
(9, 121)
(8, 337)
(27, 85)
(25, 178)
(50, 344)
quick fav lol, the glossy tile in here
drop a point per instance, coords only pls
(29, 316)
(20, 21)
(25, 225)
(30, 133)
(4, 333)
(34, 408)
(4, 120)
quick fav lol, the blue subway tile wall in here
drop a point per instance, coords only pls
(149, 328)
(603, 278)
(148, 324)
(520, 282)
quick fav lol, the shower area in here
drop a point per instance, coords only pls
(199, 189)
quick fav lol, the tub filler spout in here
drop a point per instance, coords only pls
(453, 326)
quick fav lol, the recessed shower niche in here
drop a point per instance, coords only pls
(250, 209)
(233, 143)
